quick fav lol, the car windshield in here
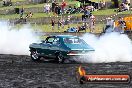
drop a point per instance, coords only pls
(72, 40)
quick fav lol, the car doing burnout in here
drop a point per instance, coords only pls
(59, 48)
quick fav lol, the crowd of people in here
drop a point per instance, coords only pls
(118, 26)
(87, 18)
(89, 23)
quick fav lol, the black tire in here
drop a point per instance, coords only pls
(59, 58)
(34, 55)
(82, 80)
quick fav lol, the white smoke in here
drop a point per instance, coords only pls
(14, 41)
(110, 47)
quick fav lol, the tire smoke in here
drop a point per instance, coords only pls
(14, 41)
(110, 47)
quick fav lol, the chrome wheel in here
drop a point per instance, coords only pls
(34, 56)
(60, 58)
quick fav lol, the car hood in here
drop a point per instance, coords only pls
(80, 47)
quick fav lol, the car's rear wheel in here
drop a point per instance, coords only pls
(59, 58)
(34, 55)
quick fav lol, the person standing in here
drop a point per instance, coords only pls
(56, 9)
(121, 25)
(52, 23)
(22, 12)
(92, 23)
(68, 20)
(59, 24)
(63, 5)
(110, 25)
(47, 8)
(62, 22)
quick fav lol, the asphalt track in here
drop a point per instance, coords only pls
(18, 71)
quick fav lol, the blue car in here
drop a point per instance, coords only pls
(59, 48)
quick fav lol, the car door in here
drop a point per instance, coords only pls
(43, 49)
(55, 47)
(46, 46)
(49, 45)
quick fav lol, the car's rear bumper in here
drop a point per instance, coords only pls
(79, 57)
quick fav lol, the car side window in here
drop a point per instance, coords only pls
(56, 41)
(50, 40)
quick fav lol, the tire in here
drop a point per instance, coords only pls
(34, 55)
(82, 80)
(59, 58)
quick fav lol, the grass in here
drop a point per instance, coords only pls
(48, 28)
(38, 15)
(32, 5)
(35, 15)
(16, 0)
(109, 12)
(25, 6)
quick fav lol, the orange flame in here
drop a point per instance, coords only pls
(81, 71)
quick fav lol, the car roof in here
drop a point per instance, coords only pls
(64, 36)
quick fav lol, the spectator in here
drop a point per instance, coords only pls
(57, 10)
(81, 9)
(4, 2)
(29, 15)
(63, 5)
(52, 23)
(22, 12)
(68, 20)
(7, 3)
(47, 8)
(123, 7)
(101, 4)
(92, 23)
(69, 10)
(62, 22)
(110, 25)
(74, 10)
(91, 8)
(126, 2)
(59, 24)
(86, 14)
(121, 25)
(126, 7)
(83, 27)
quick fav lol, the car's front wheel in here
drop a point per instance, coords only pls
(34, 55)
(60, 58)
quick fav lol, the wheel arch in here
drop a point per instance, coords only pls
(57, 53)
(31, 48)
